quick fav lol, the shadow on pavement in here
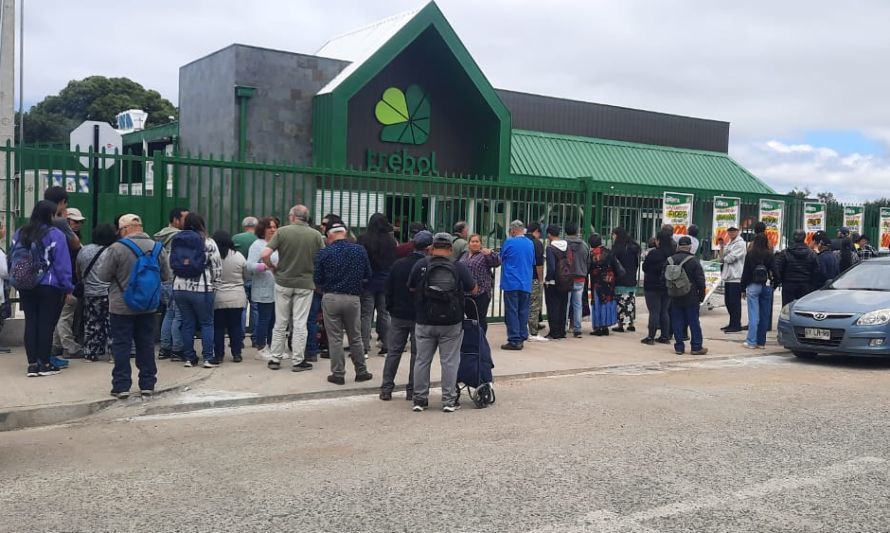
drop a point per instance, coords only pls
(847, 361)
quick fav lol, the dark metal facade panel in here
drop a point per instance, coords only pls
(571, 117)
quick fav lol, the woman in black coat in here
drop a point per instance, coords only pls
(655, 289)
(627, 252)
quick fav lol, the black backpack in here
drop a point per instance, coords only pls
(442, 298)
(563, 277)
(760, 274)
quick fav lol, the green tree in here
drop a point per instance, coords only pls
(92, 98)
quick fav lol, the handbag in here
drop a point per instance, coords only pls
(79, 287)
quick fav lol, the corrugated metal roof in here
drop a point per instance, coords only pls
(566, 156)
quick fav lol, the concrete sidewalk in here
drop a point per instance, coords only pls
(84, 388)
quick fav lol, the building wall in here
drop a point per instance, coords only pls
(207, 110)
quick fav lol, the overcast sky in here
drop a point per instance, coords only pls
(805, 84)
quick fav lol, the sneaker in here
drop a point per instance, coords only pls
(419, 406)
(679, 352)
(382, 352)
(59, 362)
(538, 338)
(211, 363)
(450, 407)
(264, 354)
(577, 334)
(364, 376)
(324, 354)
(48, 370)
(631, 329)
(663, 341)
(176, 356)
(146, 394)
(511, 346)
(301, 366)
(190, 363)
(33, 370)
(732, 330)
(336, 380)
(237, 358)
(749, 346)
(164, 354)
(386, 395)
(121, 395)
(700, 351)
(312, 358)
(761, 347)
(618, 329)
(274, 364)
(648, 341)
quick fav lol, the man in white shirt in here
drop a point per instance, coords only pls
(692, 233)
(732, 255)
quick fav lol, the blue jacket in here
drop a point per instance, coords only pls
(60, 274)
(517, 263)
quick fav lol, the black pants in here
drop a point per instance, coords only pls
(557, 307)
(732, 295)
(227, 320)
(42, 306)
(659, 305)
(794, 291)
(483, 299)
(127, 330)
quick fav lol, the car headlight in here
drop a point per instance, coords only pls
(785, 313)
(878, 317)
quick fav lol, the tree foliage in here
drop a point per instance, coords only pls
(92, 98)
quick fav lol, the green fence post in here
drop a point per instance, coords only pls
(587, 187)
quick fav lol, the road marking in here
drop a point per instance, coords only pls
(259, 408)
(608, 521)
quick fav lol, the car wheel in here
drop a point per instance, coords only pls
(804, 355)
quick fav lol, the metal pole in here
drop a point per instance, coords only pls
(95, 175)
(21, 83)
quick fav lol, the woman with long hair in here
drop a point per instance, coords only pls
(380, 244)
(655, 289)
(604, 270)
(758, 280)
(263, 288)
(194, 295)
(39, 242)
(231, 299)
(479, 261)
(627, 252)
(97, 320)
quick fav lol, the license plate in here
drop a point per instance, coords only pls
(816, 333)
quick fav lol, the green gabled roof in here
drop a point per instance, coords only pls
(552, 155)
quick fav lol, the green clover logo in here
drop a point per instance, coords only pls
(405, 116)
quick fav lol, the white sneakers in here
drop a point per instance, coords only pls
(538, 338)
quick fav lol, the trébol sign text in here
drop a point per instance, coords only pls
(405, 117)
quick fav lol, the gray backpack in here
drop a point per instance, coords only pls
(676, 279)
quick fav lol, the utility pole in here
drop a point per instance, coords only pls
(7, 106)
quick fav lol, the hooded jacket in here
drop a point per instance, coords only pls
(580, 256)
(551, 258)
(797, 264)
(653, 269)
(117, 264)
(629, 257)
(696, 275)
(734, 260)
(165, 235)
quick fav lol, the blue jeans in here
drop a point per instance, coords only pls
(312, 325)
(681, 318)
(516, 315)
(197, 312)
(265, 322)
(760, 300)
(576, 298)
(171, 326)
(127, 330)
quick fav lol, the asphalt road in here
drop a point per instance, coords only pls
(760, 444)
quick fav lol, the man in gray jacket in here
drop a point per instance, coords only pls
(128, 326)
(579, 258)
(732, 255)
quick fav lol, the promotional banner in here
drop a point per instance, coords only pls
(727, 212)
(813, 219)
(885, 230)
(677, 211)
(854, 218)
(772, 213)
(712, 278)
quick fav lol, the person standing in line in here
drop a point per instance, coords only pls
(604, 270)
(556, 291)
(341, 271)
(691, 232)
(796, 267)
(263, 286)
(243, 241)
(65, 342)
(459, 246)
(440, 285)
(59, 196)
(230, 300)
(536, 300)
(48, 283)
(864, 250)
(685, 308)
(480, 261)
(297, 245)
(171, 326)
(380, 244)
(732, 255)
(828, 264)
(97, 320)
(518, 261)
(403, 315)
(579, 260)
(759, 278)
(407, 248)
(134, 267)
(627, 252)
(655, 290)
(197, 267)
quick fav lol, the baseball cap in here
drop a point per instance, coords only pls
(732, 228)
(844, 230)
(684, 241)
(336, 227)
(422, 239)
(128, 220)
(75, 214)
(441, 239)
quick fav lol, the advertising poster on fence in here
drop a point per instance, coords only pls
(726, 215)
(712, 278)
(677, 211)
(813, 219)
(772, 213)
(885, 230)
(854, 218)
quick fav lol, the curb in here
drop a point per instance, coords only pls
(46, 415)
(367, 391)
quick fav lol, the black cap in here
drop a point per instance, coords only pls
(684, 241)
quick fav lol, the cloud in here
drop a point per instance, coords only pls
(851, 177)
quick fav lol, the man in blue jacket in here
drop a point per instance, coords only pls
(517, 262)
